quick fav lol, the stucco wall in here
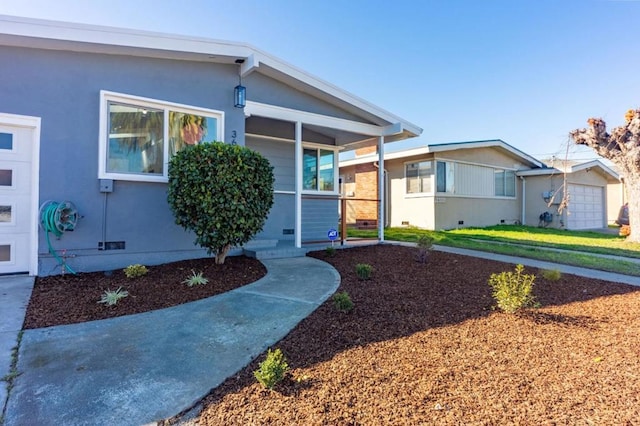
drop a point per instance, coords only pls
(483, 156)
(63, 89)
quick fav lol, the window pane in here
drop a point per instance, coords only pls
(499, 182)
(510, 183)
(5, 214)
(309, 169)
(6, 141)
(5, 253)
(190, 129)
(441, 177)
(6, 177)
(135, 139)
(418, 176)
(326, 175)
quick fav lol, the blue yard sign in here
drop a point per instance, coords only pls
(332, 234)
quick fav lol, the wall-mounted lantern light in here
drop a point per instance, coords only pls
(240, 92)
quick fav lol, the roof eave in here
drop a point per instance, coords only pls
(46, 34)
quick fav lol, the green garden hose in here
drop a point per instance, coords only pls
(58, 218)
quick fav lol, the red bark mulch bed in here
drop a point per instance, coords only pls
(422, 346)
(68, 299)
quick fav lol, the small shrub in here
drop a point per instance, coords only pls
(342, 301)
(551, 274)
(195, 279)
(272, 370)
(111, 298)
(135, 271)
(512, 291)
(364, 270)
(330, 251)
(425, 244)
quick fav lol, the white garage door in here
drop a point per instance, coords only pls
(18, 192)
(586, 207)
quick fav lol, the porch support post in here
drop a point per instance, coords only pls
(298, 173)
(381, 218)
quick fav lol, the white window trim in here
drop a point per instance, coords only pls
(336, 176)
(103, 143)
(432, 178)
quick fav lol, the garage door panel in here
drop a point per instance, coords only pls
(586, 207)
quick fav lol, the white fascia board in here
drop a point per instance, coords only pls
(486, 144)
(292, 115)
(43, 31)
(80, 37)
(598, 164)
(540, 172)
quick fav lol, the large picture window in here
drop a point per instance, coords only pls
(139, 135)
(318, 170)
(418, 177)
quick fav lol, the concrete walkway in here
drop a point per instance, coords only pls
(15, 292)
(565, 269)
(142, 368)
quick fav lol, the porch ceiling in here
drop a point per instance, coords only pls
(279, 122)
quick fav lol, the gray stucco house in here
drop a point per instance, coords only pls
(91, 115)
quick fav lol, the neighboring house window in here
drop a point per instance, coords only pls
(445, 177)
(318, 169)
(138, 136)
(474, 180)
(505, 183)
(418, 177)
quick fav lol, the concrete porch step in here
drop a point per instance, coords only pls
(275, 253)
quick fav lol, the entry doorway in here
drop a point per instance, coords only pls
(19, 148)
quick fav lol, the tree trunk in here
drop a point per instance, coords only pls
(632, 184)
(221, 254)
(622, 148)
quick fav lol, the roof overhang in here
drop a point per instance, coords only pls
(445, 147)
(595, 165)
(54, 35)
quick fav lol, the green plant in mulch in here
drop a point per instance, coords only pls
(135, 271)
(424, 244)
(342, 301)
(512, 291)
(272, 370)
(195, 279)
(330, 251)
(363, 271)
(110, 298)
(551, 274)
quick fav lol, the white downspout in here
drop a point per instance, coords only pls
(524, 203)
(381, 216)
(298, 189)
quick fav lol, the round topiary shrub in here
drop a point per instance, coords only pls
(221, 192)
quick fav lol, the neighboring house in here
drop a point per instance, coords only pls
(466, 184)
(91, 115)
(594, 190)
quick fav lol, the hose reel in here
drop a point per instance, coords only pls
(58, 218)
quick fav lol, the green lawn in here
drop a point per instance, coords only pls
(526, 241)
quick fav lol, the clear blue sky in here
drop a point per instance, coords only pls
(525, 71)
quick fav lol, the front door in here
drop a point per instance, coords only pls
(19, 137)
